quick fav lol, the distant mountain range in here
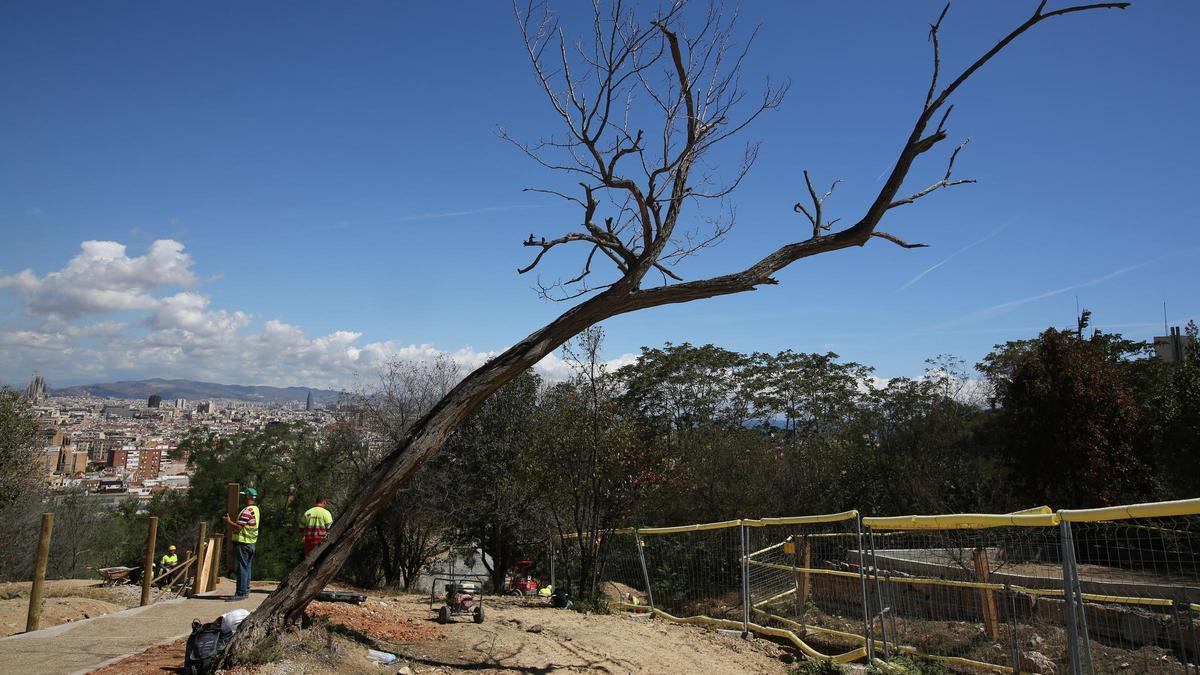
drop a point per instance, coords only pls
(198, 391)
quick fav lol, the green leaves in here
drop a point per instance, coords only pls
(20, 473)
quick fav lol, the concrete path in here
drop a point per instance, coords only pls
(81, 646)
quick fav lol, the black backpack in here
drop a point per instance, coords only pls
(202, 646)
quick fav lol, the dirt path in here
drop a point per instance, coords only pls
(524, 638)
(516, 638)
(84, 645)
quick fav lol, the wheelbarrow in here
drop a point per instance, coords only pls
(115, 576)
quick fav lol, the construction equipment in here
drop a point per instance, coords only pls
(463, 597)
(519, 582)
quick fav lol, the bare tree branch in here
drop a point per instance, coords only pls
(943, 183)
(896, 240)
(818, 223)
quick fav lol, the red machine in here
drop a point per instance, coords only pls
(462, 598)
(519, 580)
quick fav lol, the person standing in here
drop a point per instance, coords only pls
(245, 534)
(316, 523)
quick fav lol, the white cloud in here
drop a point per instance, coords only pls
(554, 367)
(182, 335)
(32, 339)
(186, 311)
(103, 278)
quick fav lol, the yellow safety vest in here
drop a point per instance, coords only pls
(170, 559)
(249, 520)
(316, 523)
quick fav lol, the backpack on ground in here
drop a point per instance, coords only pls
(202, 646)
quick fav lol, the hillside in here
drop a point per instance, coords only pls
(193, 390)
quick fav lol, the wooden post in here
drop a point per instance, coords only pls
(790, 547)
(39, 574)
(204, 565)
(196, 590)
(805, 586)
(187, 566)
(148, 567)
(214, 572)
(987, 597)
(233, 493)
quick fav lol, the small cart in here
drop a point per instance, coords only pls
(463, 596)
(115, 576)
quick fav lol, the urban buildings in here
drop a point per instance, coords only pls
(113, 447)
(37, 391)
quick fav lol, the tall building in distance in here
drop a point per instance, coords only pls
(1172, 348)
(37, 389)
(155, 401)
(308, 404)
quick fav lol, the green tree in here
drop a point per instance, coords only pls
(289, 466)
(21, 486)
(601, 468)
(484, 476)
(806, 392)
(1068, 425)
(20, 469)
(679, 388)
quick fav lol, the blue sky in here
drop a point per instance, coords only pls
(334, 187)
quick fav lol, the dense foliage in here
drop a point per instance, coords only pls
(684, 434)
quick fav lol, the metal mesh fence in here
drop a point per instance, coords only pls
(984, 594)
(1093, 591)
(618, 574)
(804, 576)
(1136, 590)
(696, 571)
(623, 581)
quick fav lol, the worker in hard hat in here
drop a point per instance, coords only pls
(245, 535)
(168, 562)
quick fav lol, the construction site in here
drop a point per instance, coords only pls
(1038, 591)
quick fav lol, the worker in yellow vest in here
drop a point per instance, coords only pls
(169, 559)
(167, 563)
(315, 525)
(245, 534)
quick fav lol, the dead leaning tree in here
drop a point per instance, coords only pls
(689, 84)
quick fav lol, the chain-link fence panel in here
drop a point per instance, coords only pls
(608, 561)
(623, 577)
(970, 590)
(1094, 591)
(804, 576)
(696, 570)
(1136, 586)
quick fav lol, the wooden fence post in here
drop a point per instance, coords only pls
(196, 590)
(805, 576)
(39, 574)
(205, 564)
(148, 568)
(233, 493)
(987, 597)
(214, 572)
